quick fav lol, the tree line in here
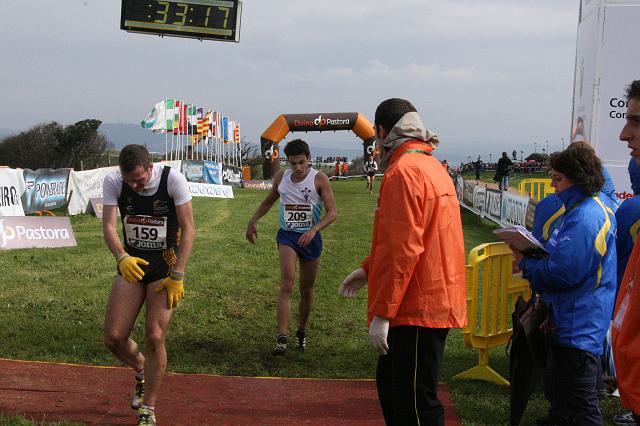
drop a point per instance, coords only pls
(51, 145)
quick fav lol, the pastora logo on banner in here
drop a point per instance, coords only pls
(45, 189)
(35, 232)
(258, 184)
(321, 121)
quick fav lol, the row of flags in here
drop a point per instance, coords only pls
(177, 117)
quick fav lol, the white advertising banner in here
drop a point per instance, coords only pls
(11, 189)
(459, 187)
(210, 190)
(493, 203)
(86, 185)
(585, 72)
(619, 66)
(174, 164)
(35, 232)
(514, 209)
(479, 195)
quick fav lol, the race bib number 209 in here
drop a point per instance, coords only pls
(146, 232)
(297, 216)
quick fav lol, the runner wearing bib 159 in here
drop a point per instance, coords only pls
(158, 227)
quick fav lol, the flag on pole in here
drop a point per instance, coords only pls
(206, 125)
(169, 108)
(225, 129)
(200, 121)
(183, 120)
(176, 117)
(236, 133)
(155, 120)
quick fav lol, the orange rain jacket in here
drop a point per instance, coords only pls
(416, 269)
(626, 339)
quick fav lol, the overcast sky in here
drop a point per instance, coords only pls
(487, 76)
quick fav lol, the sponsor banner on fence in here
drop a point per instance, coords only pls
(493, 203)
(467, 193)
(231, 175)
(479, 195)
(514, 209)
(45, 189)
(212, 173)
(257, 184)
(459, 187)
(193, 170)
(85, 185)
(35, 232)
(209, 190)
(11, 190)
(531, 211)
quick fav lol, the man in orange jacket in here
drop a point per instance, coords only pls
(415, 271)
(625, 334)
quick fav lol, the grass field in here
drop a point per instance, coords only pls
(53, 304)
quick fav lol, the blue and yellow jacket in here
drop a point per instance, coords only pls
(578, 278)
(628, 218)
(549, 212)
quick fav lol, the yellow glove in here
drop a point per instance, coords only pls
(129, 269)
(174, 284)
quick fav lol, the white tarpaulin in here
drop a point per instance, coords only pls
(11, 188)
(85, 185)
(88, 184)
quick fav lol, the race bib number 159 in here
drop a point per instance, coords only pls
(146, 232)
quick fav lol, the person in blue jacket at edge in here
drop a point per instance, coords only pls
(578, 281)
(628, 218)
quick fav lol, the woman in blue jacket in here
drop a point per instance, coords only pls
(578, 281)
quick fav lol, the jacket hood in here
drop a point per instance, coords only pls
(408, 128)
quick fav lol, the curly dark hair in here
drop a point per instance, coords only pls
(580, 164)
(633, 91)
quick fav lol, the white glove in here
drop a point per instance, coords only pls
(353, 282)
(378, 331)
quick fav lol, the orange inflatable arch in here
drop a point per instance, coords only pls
(315, 122)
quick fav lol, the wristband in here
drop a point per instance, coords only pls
(122, 256)
(175, 275)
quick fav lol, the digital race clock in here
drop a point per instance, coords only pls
(201, 19)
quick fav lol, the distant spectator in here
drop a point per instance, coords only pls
(338, 169)
(345, 168)
(503, 170)
(478, 167)
(445, 164)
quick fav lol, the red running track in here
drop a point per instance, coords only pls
(101, 395)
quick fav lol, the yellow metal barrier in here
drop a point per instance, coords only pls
(536, 188)
(492, 291)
